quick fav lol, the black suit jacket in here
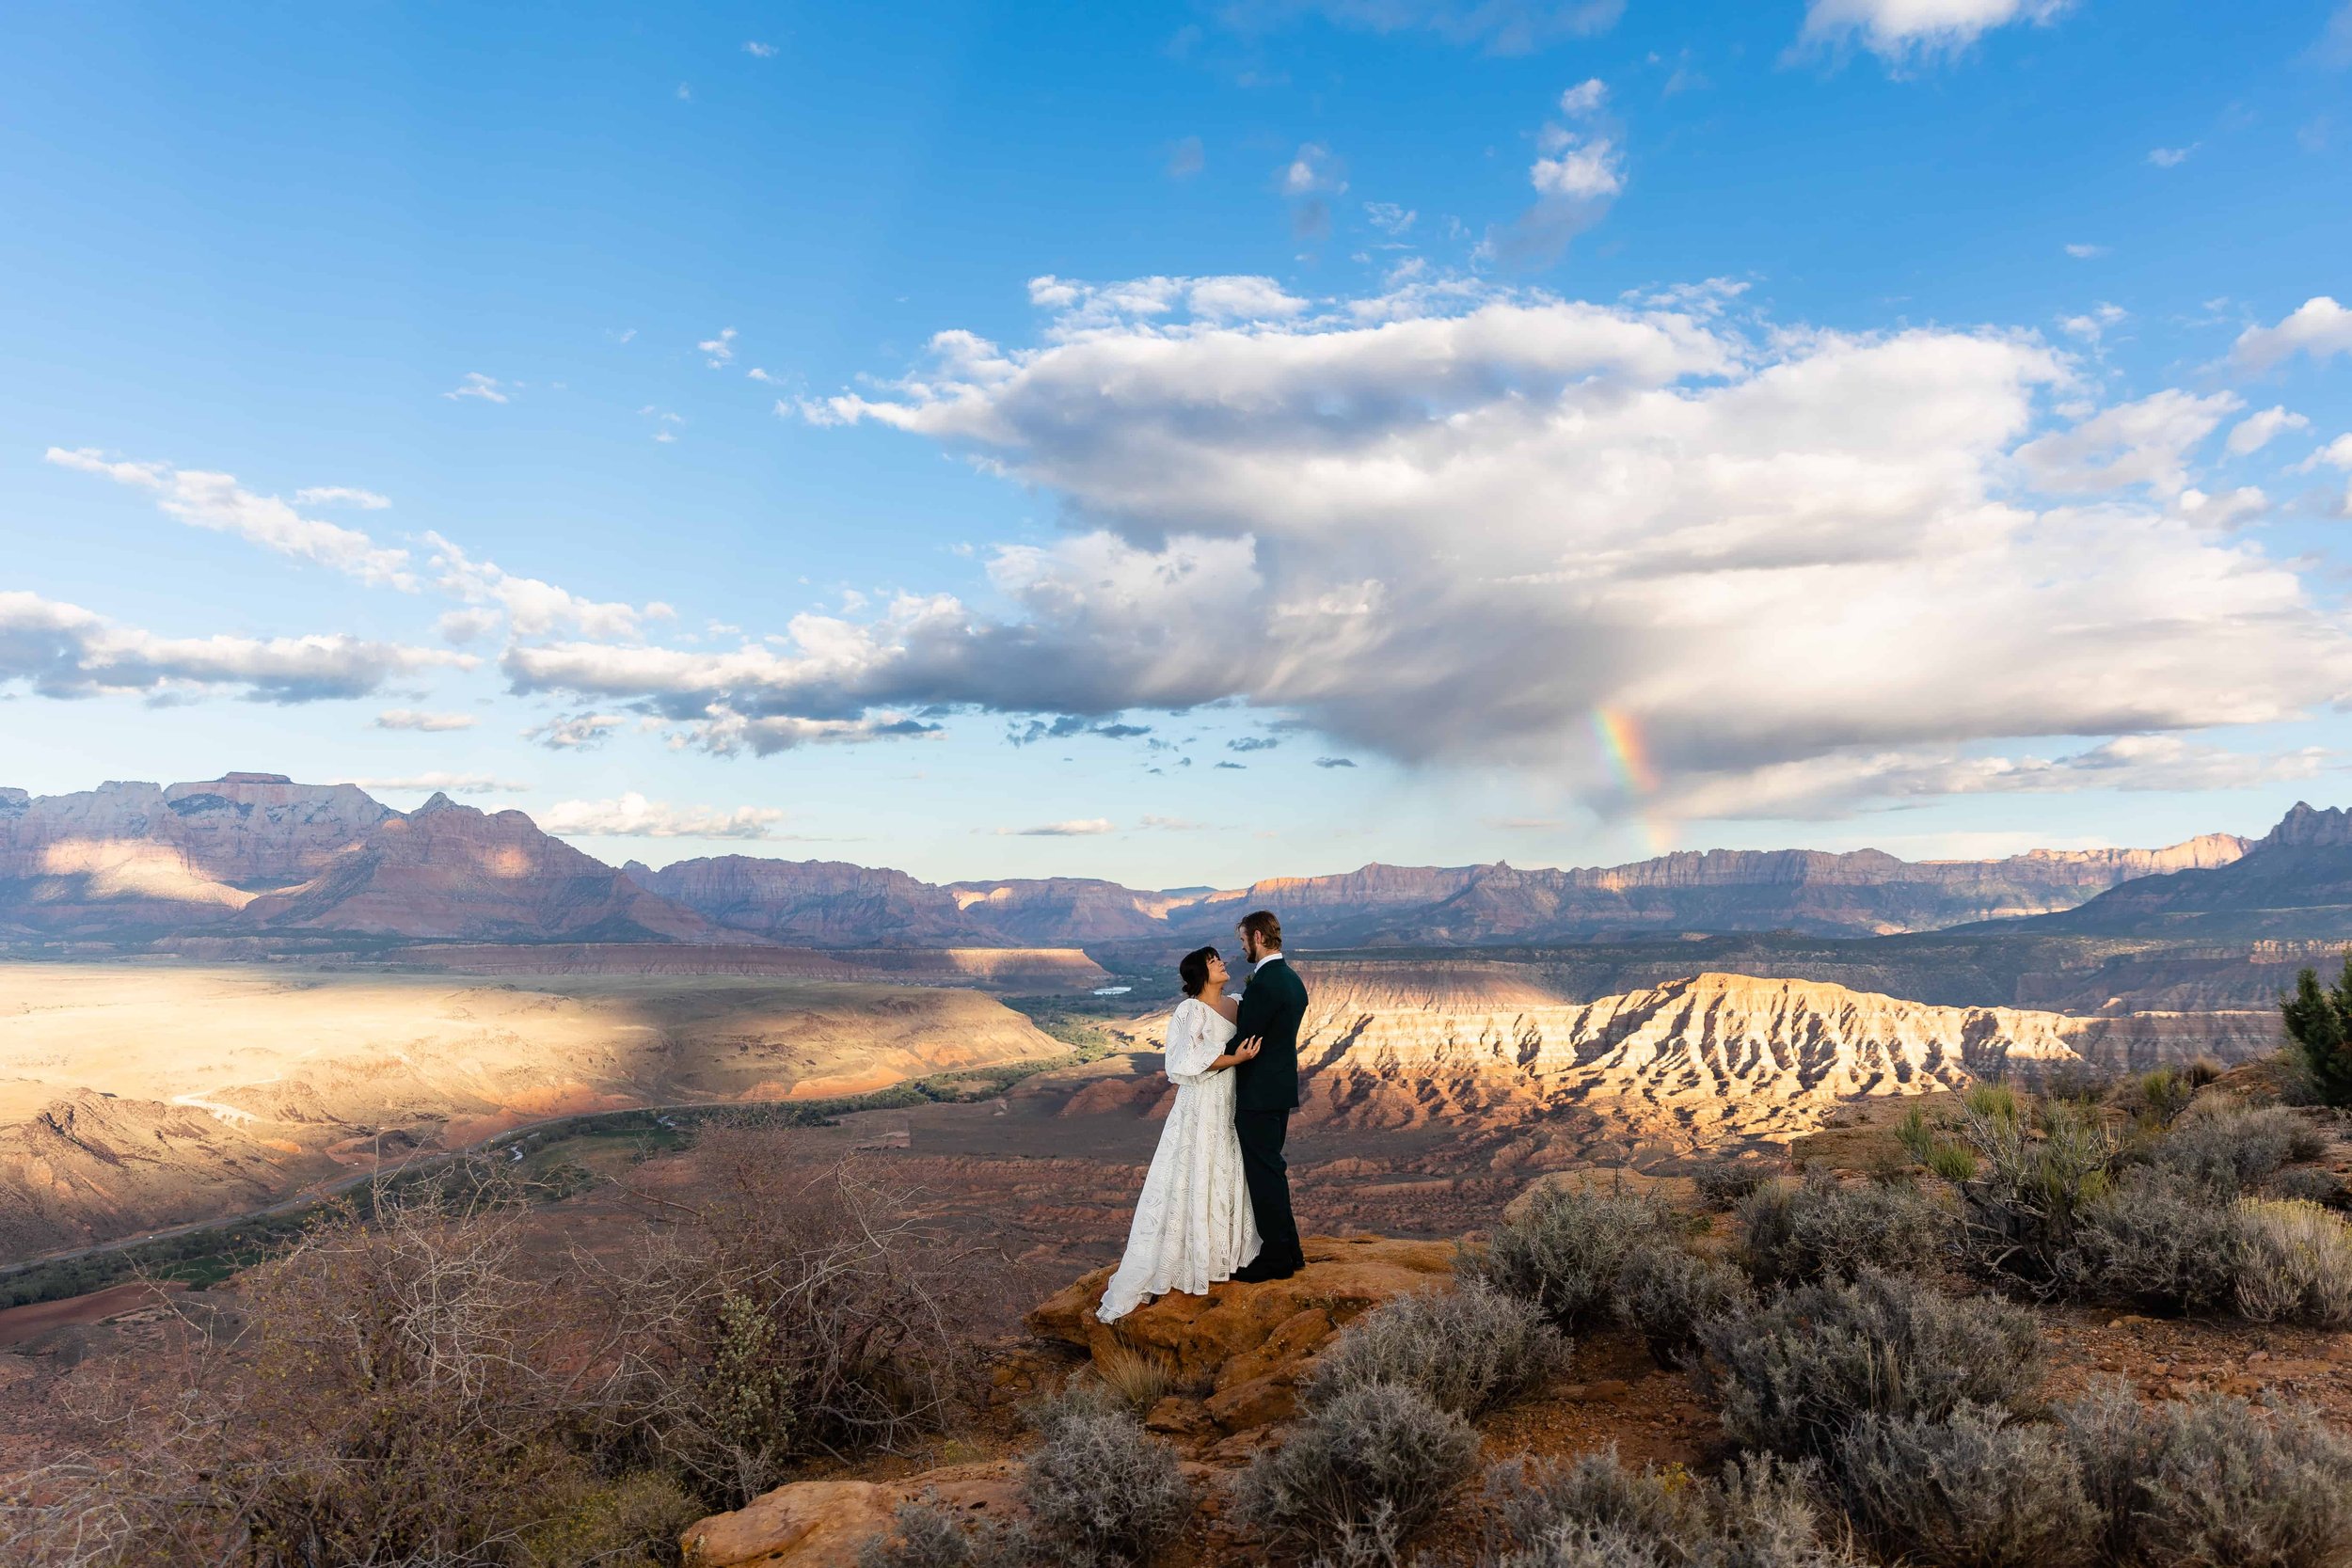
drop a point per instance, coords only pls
(1273, 1005)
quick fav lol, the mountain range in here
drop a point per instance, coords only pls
(256, 856)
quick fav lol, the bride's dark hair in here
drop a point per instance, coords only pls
(1193, 968)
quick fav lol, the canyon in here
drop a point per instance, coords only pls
(230, 991)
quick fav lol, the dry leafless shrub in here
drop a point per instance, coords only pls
(1668, 1295)
(1469, 1350)
(784, 1321)
(1595, 1513)
(1566, 1249)
(1794, 1374)
(1794, 1233)
(1371, 1465)
(388, 1401)
(2212, 1480)
(1973, 1489)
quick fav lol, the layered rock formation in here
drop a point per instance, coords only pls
(1680, 1065)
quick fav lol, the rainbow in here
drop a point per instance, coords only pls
(1621, 742)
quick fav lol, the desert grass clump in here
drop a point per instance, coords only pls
(1973, 1490)
(1566, 1249)
(2229, 1151)
(2212, 1480)
(1375, 1462)
(1469, 1350)
(1796, 1373)
(1668, 1295)
(2293, 1264)
(1595, 1513)
(1138, 1378)
(1101, 1492)
(1794, 1233)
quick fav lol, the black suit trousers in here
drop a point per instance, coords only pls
(1262, 1133)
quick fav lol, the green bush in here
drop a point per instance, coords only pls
(1567, 1248)
(1666, 1295)
(1794, 1233)
(2024, 1175)
(1971, 1490)
(1594, 1512)
(2319, 1035)
(1469, 1350)
(1376, 1460)
(2210, 1481)
(1795, 1375)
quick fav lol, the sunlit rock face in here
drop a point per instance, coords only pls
(1684, 1063)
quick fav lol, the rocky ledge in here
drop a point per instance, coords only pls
(1246, 1346)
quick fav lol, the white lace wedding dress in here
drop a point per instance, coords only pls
(1193, 1225)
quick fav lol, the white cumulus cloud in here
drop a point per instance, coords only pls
(632, 815)
(2318, 326)
(1896, 30)
(1448, 526)
(341, 494)
(2257, 431)
(62, 650)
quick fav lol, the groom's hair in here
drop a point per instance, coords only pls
(1193, 968)
(1261, 925)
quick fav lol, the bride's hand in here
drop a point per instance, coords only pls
(1247, 1049)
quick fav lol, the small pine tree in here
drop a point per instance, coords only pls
(2319, 1024)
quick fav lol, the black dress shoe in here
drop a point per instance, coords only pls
(1253, 1273)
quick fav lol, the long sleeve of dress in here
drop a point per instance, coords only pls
(1189, 1047)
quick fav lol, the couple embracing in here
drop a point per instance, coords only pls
(1217, 1203)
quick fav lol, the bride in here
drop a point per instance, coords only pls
(1193, 1222)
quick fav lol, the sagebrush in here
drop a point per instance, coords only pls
(1794, 1374)
(1468, 1349)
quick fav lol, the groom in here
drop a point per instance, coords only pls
(1266, 1092)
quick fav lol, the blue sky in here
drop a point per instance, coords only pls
(1908, 422)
